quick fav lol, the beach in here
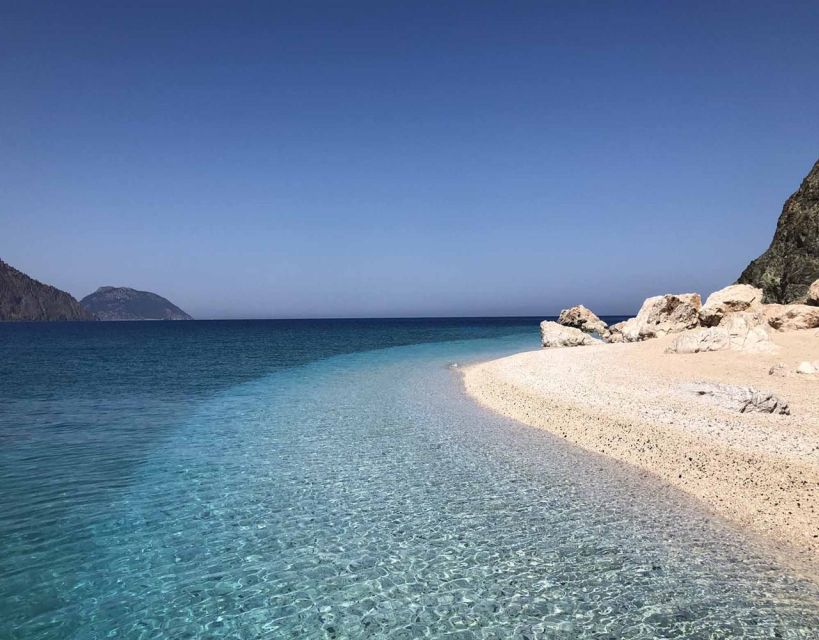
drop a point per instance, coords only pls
(633, 402)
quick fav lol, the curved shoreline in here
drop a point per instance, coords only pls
(625, 401)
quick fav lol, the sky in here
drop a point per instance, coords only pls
(375, 159)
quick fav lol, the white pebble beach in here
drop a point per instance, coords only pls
(629, 401)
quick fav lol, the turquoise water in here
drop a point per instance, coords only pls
(331, 480)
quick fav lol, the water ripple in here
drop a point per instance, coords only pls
(364, 496)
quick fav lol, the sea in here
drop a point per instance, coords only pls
(330, 479)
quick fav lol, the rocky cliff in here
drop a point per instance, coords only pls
(789, 266)
(122, 303)
(23, 298)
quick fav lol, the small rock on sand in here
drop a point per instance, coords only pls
(807, 368)
(736, 398)
(779, 369)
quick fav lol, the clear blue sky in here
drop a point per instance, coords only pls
(307, 159)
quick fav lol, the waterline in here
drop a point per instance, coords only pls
(365, 496)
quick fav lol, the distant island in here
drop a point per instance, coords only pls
(23, 298)
(123, 303)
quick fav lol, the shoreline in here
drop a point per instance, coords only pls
(628, 402)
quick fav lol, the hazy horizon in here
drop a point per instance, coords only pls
(318, 160)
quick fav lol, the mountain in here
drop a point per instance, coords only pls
(23, 298)
(122, 303)
(789, 266)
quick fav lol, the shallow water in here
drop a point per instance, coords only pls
(257, 488)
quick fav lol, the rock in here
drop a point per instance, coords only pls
(700, 341)
(122, 303)
(615, 333)
(788, 267)
(671, 313)
(806, 368)
(584, 319)
(553, 334)
(736, 398)
(780, 369)
(813, 294)
(25, 299)
(731, 299)
(659, 316)
(791, 317)
(741, 331)
(748, 331)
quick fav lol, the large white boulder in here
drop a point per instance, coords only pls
(553, 334)
(584, 319)
(659, 316)
(747, 331)
(737, 297)
(813, 294)
(741, 331)
(791, 317)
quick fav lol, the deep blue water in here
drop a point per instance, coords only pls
(329, 479)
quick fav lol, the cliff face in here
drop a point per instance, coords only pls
(122, 303)
(23, 298)
(789, 266)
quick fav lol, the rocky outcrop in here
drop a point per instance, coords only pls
(741, 399)
(23, 298)
(553, 334)
(659, 316)
(788, 267)
(122, 303)
(731, 299)
(741, 331)
(791, 317)
(813, 294)
(584, 319)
